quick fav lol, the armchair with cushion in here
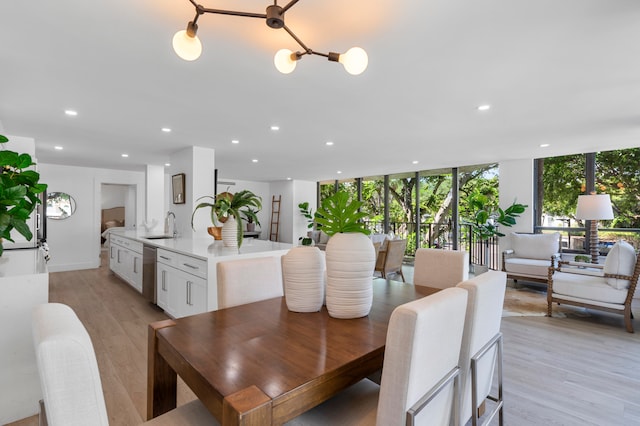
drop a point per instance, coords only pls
(609, 287)
(530, 256)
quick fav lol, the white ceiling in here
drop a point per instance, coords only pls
(561, 72)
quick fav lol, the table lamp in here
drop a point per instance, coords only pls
(594, 207)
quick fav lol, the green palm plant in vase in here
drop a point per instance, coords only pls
(19, 189)
(340, 214)
(235, 205)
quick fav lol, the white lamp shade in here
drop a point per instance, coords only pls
(355, 60)
(284, 62)
(187, 48)
(594, 207)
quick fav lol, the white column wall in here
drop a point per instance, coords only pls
(198, 165)
(154, 202)
(516, 184)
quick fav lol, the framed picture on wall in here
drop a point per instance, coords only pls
(177, 187)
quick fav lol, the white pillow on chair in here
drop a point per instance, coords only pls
(535, 246)
(620, 260)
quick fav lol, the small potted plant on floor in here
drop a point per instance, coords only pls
(486, 219)
(19, 189)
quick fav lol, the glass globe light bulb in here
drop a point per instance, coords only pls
(355, 60)
(188, 48)
(284, 62)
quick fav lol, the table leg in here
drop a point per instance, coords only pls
(247, 407)
(161, 378)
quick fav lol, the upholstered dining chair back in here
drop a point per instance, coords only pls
(422, 347)
(394, 255)
(70, 378)
(248, 280)
(69, 375)
(481, 331)
(440, 268)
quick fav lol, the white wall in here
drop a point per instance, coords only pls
(113, 196)
(155, 199)
(75, 242)
(285, 190)
(302, 191)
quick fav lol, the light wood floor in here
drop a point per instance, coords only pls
(577, 370)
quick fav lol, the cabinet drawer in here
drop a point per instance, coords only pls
(132, 245)
(167, 257)
(188, 264)
(192, 265)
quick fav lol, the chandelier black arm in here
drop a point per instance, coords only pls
(201, 9)
(288, 6)
(295, 37)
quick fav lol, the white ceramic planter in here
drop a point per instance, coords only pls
(350, 262)
(230, 233)
(303, 271)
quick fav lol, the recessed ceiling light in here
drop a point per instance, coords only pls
(125, 155)
(235, 141)
(166, 130)
(414, 162)
(288, 178)
(71, 112)
(255, 160)
(167, 164)
(275, 127)
(485, 107)
(329, 143)
(58, 148)
(544, 145)
(339, 172)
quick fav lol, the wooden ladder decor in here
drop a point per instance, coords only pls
(275, 218)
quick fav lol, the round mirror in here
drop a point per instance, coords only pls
(60, 205)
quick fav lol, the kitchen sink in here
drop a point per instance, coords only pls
(158, 237)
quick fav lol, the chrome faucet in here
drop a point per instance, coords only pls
(173, 224)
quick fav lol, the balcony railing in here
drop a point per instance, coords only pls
(488, 252)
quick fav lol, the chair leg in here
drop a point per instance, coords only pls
(402, 275)
(628, 315)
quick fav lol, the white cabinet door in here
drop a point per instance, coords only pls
(195, 296)
(136, 270)
(180, 293)
(162, 286)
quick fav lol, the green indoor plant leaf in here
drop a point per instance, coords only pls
(19, 191)
(340, 214)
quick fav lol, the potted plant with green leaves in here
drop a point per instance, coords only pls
(250, 215)
(19, 189)
(229, 210)
(307, 212)
(487, 218)
(350, 256)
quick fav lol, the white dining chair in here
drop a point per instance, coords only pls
(440, 268)
(245, 281)
(419, 376)
(481, 351)
(70, 378)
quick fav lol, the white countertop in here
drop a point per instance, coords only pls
(15, 263)
(206, 247)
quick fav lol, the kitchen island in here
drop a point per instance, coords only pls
(185, 268)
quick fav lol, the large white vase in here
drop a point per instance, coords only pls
(230, 233)
(350, 262)
(303, 272)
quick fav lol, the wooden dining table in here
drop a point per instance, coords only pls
(261, 364)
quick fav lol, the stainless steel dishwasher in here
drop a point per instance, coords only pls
(149, 273)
